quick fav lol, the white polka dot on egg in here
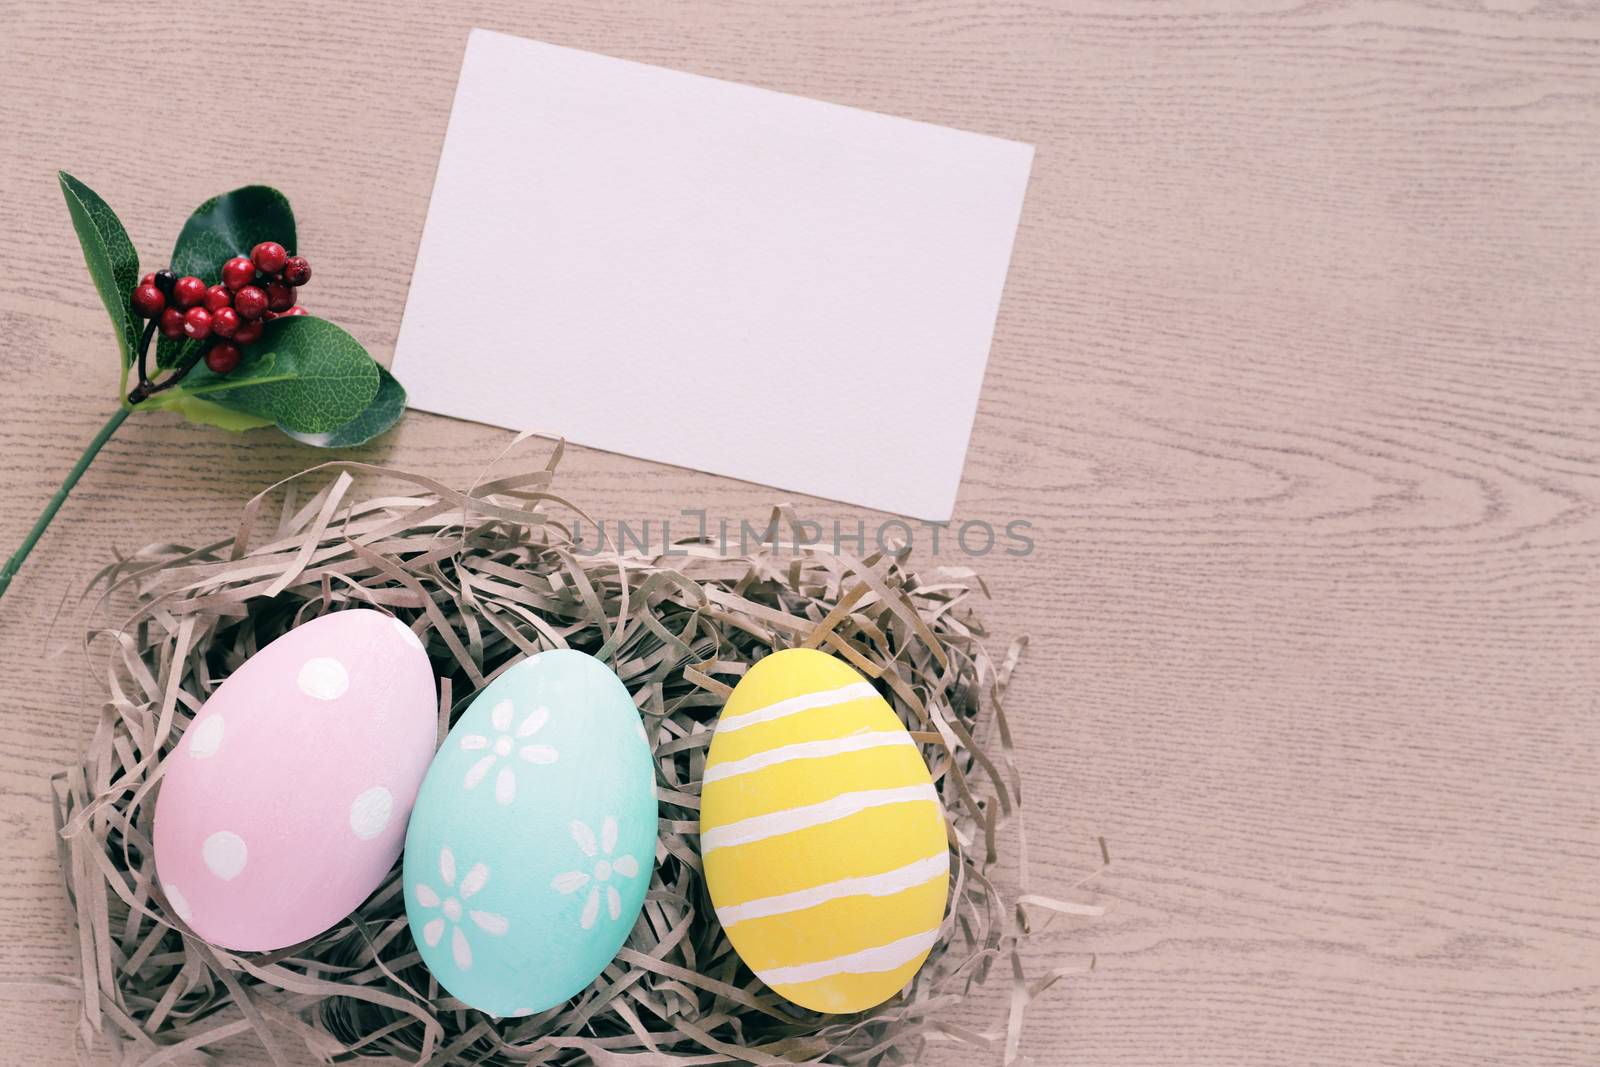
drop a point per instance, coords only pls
(207, 738)
(178, 902)
(370, 812)
(323, 678)
(225, 854)
(410, 635)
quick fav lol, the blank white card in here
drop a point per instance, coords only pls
(711, 275)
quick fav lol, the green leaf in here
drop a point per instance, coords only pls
(221, 228)
(170, 353)
(305, 374)
(205, 413)
(113, 261)
(231, 225)
(387, 405)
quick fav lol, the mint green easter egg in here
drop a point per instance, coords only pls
(534, 836)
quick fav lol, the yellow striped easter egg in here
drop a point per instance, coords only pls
(824, 841)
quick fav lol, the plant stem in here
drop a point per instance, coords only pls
(144, 352)
(15, 562)
(146, 388)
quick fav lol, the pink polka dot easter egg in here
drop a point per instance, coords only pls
(285, 804)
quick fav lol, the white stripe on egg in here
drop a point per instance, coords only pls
(867, 961)
(796, 705)
(806, 750)
(888, 883)
(788, 820)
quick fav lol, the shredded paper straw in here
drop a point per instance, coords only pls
(486, 578)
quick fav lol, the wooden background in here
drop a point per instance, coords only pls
(1296, 378)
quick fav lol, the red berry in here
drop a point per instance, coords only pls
(148, 279)
(296, 310)
(189, 291)
(250, 302)
(225, 322)
(296, 271)
(196, 323)
(223, 357)
(172, 323)
(279, 296)
(238, 272)
(269, 256)
(247, 333)
(218, 297)
(148, 301)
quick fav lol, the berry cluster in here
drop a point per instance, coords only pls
(253, 290)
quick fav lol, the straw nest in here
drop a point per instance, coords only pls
(487, 577)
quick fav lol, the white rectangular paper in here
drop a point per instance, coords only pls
(711, 275)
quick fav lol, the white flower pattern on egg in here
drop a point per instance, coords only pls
(573, 881)
(501, 747)
(451, 908)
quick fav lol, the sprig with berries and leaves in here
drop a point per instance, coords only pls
(233, 348)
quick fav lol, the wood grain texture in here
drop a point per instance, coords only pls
(1296, 378)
